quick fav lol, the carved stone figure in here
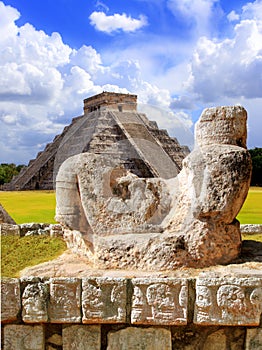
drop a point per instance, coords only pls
(256, 300)
(10, 299)
(160, 298)
(64, 303)
(103, 300)
(152, 223)
(159, 301)
(138, 305)
(231, 300)
(203, 303)
(228, 301)
(34, 303)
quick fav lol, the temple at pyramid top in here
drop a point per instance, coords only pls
(112, 126)
(112, 100)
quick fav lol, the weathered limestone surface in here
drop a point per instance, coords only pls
(9, 230)
(140, 339)
(208, 338)
(227, 312)
(65, 300)
(159, 301)
(254, 339)
(10, 299)
(104, 300)
(34, 301)
(31, 229)
(5, 218)
(123, 221)
(20, 337)
(251, 229)
(81, 337)
(229, 300)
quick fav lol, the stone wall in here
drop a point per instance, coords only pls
(31, 229)
(209, 312)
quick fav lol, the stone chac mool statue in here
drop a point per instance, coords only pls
(119, 220)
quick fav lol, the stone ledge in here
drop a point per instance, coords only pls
(215, 300)
(251, 229)
(124, 337)
(31, 229)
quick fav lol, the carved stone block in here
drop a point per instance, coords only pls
(133, 338)
(254, 339)
(34, 301)
(104, 300)
(65, 296)
(159, 301)
(81, 337)
(228, 301)
(24, 337)
(9, 230)
(10, 300)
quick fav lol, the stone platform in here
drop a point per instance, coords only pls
(211, 311)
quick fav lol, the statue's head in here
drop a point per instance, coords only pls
(222, 125)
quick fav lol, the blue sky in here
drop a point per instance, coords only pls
(178, 55)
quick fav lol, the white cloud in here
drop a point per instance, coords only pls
(233, 16)
(198, 13)
(230, 67)
(43, 83)
(100, 5)
(116, 22)
(8, 16)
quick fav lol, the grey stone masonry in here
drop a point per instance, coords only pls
(228, 301)
(31, 229)
(207, 312)
(162, 302)
(56, 230)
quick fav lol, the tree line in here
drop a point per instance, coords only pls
(256, 155)
(7, 171)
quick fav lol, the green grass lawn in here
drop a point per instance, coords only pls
(29, 206)
(18, 253)
(251, 212)
(39, 206)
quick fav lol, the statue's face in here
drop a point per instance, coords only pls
(223, 125)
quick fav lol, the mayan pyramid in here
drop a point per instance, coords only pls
(110, 125)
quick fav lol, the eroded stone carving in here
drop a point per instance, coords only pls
(163, 301)
(79, 337)
(65, 296)
(228, 301)
(203, 303)
(34, 302)
(24, 337)
(104, 300)
(137, 338)
(10, 299)
(151, 223)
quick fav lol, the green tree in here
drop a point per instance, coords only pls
(7, 171)
(256, 155)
